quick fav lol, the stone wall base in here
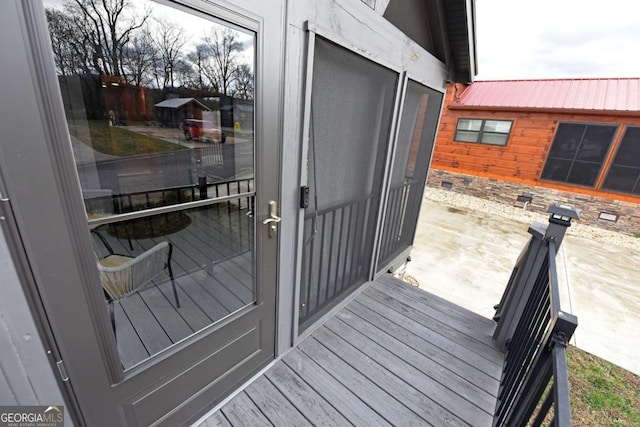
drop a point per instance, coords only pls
(601, 212)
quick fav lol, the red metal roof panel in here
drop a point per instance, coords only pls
(606, 94)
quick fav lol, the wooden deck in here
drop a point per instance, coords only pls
(395, 355)
(213, 268)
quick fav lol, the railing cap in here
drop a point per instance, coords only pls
(538, 229)
(562, 214)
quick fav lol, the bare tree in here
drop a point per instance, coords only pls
(109, 25)
(170, 39)
(222, 51)
(244, 84)
(71, 49)
(185, 74)
(198, 57)
(140, 56)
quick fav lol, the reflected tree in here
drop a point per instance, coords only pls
(70, 46)
(140, 58)
(198, 57)
(243, 87)
(222, 51)
(120, 38)
(170, 38)
(108, 26)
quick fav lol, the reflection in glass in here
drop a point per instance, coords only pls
(160, 109)
(167, 104)
(169, 275)
(624, 172)
(578, 152)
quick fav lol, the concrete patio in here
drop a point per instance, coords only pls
(466, 255)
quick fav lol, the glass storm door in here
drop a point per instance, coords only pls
(162, 139)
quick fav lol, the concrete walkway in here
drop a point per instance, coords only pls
(466, 256)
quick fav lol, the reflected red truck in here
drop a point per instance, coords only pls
(202, 130)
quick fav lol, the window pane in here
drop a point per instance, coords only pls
(556, 169)
(567, 140)
(628, 153)
(468, 124)
(153, 123)
(620, 178)
(494, 138)
(500, 126)
(466, 136)
(584, 173)
(596, 142)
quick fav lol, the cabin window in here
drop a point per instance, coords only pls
(624, 173)
(493, 132)
(578, 152)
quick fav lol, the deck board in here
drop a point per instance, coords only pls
(301, 395)
(417, 334)
(394, 355)
(242, 411)
(336, 394)
(216, 420)
(436, 303)
(278, 410)
(375, 326)
(421, 320)
(420, 372)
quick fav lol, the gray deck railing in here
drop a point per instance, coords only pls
(400, 220)
(533, 331)
(334, 253)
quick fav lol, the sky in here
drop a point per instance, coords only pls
(557, 39)
(194, 26)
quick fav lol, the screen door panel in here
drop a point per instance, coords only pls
(418, 125)
(351, 113)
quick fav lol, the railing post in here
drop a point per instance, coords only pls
(559, 221)
(523, 278)
(202, 186)
(565, 325)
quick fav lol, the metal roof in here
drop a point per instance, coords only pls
(179, 102)
(605, 94)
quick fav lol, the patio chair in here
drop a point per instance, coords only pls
(122, 275)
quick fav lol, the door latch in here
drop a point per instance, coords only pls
(273, 219)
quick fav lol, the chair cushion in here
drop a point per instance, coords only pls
(114, 260)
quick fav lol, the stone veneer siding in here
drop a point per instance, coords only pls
(507, 192)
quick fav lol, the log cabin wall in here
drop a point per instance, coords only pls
(503, 173)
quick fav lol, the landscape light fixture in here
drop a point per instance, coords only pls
(562, 214)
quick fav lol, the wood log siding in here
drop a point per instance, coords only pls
(523, 158)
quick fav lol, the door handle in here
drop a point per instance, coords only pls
(273, 219)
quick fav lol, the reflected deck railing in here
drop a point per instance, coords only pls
(534, 332)
(146, 199)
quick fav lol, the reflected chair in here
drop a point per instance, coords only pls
(122, 275)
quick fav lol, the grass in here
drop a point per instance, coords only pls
(602, 394)
(118, 141)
